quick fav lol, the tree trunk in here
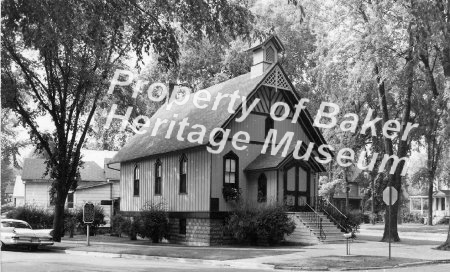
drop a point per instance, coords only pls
(58, 221)
(346, 191)
(430, 202)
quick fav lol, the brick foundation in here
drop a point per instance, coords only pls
(199, 232)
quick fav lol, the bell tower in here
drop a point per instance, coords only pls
(265, 55)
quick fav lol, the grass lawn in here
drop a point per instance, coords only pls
(339, 262)
(411, 227)
(204, 253)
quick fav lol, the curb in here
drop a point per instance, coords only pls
(325, 268)
(227, 263)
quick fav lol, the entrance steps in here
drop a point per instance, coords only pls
(307, 229)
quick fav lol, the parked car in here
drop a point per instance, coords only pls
(19, 233)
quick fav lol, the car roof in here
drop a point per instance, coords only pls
(12, 220)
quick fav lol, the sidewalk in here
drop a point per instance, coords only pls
(318, 257)
(409, 233)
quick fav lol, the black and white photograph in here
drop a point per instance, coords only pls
(225, 135)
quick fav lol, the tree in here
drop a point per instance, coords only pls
(58, 55)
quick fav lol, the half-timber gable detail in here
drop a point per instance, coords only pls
(277, 80)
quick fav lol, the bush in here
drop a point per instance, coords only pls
(99, 219)
(250, 224)
(272, 224)
(70, 222)
(37, 217)
(121, 225)
(408, 217)
(443, 221)
(152, 222)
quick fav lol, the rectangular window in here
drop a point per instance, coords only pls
(183, 226)
(183, 175)
(443, 204)
(70, 200)
(158, 178)
(136, 183)
(230, 171)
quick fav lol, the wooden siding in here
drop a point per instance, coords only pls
(198, 182)
(245, 157)
(94, 195)
(252, 188)
(37, 193)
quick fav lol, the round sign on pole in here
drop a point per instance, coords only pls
(394, 195)
(88, 213)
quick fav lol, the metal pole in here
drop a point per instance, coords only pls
(390, 206)
(88, 234)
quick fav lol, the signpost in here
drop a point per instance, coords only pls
(390, 196)
(88, 217)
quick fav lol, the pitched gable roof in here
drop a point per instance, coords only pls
(34, 169)
(144, 145)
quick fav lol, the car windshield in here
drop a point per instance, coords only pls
(19, 225)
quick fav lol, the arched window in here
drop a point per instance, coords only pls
(158, 177)
(136, 180)
(262, 188)
(231, 170)
(268, 125)
(183, 174)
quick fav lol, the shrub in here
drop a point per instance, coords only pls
(120, 225)
(152, 222)
(251, 224)
(408, 217)
(70, 222)
(443, 221)
(99, 219)
(273, 223)
(37, 217)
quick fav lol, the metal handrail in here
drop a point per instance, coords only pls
(329, 203)
(318, 222)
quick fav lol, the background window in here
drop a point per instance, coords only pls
(136, 181)
(262, 188)
(70, 200)
(183, 174)
(231, 176)
(158, 177)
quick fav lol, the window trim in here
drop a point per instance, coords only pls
(183, 159)
(263, 199)
(70, 204)
(136, 180)
(233, 156)
(158, 179)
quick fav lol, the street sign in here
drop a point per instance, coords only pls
(386, 195)
(88, 213)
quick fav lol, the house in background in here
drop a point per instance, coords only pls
(441, 199)
(9, 190)
(98, 184)
(356, 194)
(19, 192)
(194, 183)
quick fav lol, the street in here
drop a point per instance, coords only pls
(51, 261)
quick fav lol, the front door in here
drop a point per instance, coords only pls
(296, 188)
